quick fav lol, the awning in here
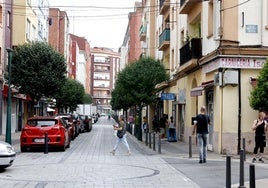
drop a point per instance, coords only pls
(197, 91)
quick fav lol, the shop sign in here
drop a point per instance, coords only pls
(168, 96)
(234, 63)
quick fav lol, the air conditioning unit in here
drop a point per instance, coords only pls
(230, 77)
(218, 79)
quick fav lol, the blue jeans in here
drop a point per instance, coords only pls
(124, 140)
(202, 143)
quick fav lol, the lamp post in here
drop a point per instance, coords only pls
(8, 121)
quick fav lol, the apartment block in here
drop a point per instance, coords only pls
(106, 65)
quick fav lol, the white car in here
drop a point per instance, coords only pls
(7, 155)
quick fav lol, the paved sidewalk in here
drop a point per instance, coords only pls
(168, 149)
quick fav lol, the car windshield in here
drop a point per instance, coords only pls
(41, 123)
(82, 117)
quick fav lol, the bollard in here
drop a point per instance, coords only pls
(228, 172)
(241, 182)
(154, 141)
(159, 143)
(46, 144)
(244, 148)
(190, 147)
(150, 140)
(146, 138)
(252, 183)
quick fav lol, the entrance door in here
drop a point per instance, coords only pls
(181, 122)
(209, 94)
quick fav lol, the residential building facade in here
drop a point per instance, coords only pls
(213, 51)
(106, 65)
(79, 62)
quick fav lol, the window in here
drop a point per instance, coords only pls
(28, 29)
(8, 19)
(210, 19)
(1, 14)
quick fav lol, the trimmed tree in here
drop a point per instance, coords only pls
(135, 86)
(37, 70)
(70, 95)
(258, 99)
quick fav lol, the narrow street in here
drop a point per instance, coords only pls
(89, 163)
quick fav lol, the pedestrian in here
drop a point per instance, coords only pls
(121, 135)
(145, 125)
(171, 130)
(155, 124)
(163, 125)
(201, 128)
(260, 127)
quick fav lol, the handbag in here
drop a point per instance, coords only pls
(120, 134)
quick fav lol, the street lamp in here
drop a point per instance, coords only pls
(8, 121)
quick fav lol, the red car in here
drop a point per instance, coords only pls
(33, 133)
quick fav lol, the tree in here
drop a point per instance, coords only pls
(70, 95)
(37, 70)
(259, 96)
(135, 85)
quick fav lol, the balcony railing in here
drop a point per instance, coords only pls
(187, 5)
(164, 39)
(164, 6)
(143, 30)
(191, 50)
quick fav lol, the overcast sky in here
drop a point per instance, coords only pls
(102, 22)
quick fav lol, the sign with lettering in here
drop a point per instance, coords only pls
(235, 63)
(251, 28)
(168, 96)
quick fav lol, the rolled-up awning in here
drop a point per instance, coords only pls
(197, 91)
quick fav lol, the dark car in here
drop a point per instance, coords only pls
(85, 123)
(72, 127)
(34, 133)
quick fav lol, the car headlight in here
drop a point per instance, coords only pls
(10, 149)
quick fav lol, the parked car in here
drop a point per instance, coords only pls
(33, 133)
(94, 118)
(7, 155)
(72, 127)
(85, 123)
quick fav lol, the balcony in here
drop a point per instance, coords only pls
(143, 30)
(164, 39)
(187, 5)
(164, 6)
(191, 50)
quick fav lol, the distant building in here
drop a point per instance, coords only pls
(79, 62)
(106, 64)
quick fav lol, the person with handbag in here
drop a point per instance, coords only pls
(201, 127)
(121, 135)
(260, 127)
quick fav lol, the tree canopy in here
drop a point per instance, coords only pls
(71, 93)
(259, 96)
(135, 85)
(37, 70)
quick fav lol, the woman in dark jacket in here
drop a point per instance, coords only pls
(260, 128)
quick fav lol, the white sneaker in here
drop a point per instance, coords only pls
(112, 152)
(129, 153)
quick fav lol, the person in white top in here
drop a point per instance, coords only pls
(171, 128)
